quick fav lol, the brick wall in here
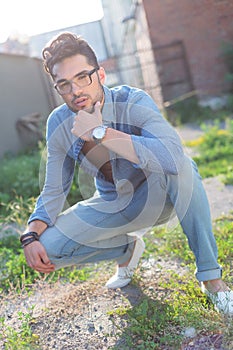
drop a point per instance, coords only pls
(202, 26)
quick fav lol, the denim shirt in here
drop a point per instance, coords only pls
(126, 109)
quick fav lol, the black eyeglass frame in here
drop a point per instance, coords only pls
(88, 73)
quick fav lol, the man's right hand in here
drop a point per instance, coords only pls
(37, 258)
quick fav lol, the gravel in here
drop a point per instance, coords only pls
(78, 317)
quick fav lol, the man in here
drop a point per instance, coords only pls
(142, 177)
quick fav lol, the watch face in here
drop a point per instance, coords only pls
(99, 133)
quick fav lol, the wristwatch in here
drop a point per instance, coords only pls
(98, 133)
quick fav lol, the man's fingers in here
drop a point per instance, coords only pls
(44, 258)
(37, 258)
(97, 107)
(41, 267)
(43, 264)
(44, 270)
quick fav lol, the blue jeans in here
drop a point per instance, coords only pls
(105, 228)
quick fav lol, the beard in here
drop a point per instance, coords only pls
(99, 96)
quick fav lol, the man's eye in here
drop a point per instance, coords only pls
(82, 77)
(63, 85)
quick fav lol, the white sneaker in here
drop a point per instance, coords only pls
(124, 274)
(223, 301)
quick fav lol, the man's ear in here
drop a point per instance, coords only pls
(102, 75)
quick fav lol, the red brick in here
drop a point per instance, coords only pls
(202, 26)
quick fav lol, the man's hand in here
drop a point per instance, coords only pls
(37, 257)
(85, 122)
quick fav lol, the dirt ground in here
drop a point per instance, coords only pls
(76, 317)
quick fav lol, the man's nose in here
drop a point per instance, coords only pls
(75, 88)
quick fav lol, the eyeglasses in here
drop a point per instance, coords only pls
(81, 80)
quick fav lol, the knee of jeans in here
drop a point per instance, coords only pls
(190, 169)
(186, 176)
(50, 247)
(58, 245)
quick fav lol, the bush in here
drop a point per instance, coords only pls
(215, 152)
(19, 185)
(227, 49)
(15, 273)
(188, 110)
(19, 175)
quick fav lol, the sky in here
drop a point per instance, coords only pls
(31, 17)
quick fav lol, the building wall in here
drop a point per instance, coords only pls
(128, 41)
(24, 92)
(201, 27)
(150, 74)
(120, 40)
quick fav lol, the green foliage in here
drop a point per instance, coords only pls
(223, 230)
(19, 188)
(188, 110)
(81, 188)
(216, 153)
(227, 49)
(158, 321)
(150, 325)
(153, 323)
(17, 210)
(22, 338)
(19, 185)
(15, 273)
(19, 175)
(174, 243)
(230, 103)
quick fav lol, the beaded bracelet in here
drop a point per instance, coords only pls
(28, 241)
(29, 234)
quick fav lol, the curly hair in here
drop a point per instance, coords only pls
(66, 45)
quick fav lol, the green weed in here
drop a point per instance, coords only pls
(21, 178)
(158, 322)
(215, 150)
(150, 325)
(17, 210)
(19, 175)
(227, 51)
(22, 338)
(155, 322)
(187, 109)
(15, 274)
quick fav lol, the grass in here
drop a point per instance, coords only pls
(15, 274)
(20, 183)
(187, 110)
(215, 150)
(160, 319)
(170, 301)
(21, 338)
(147, 328)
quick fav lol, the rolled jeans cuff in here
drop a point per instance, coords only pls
(208, 275)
